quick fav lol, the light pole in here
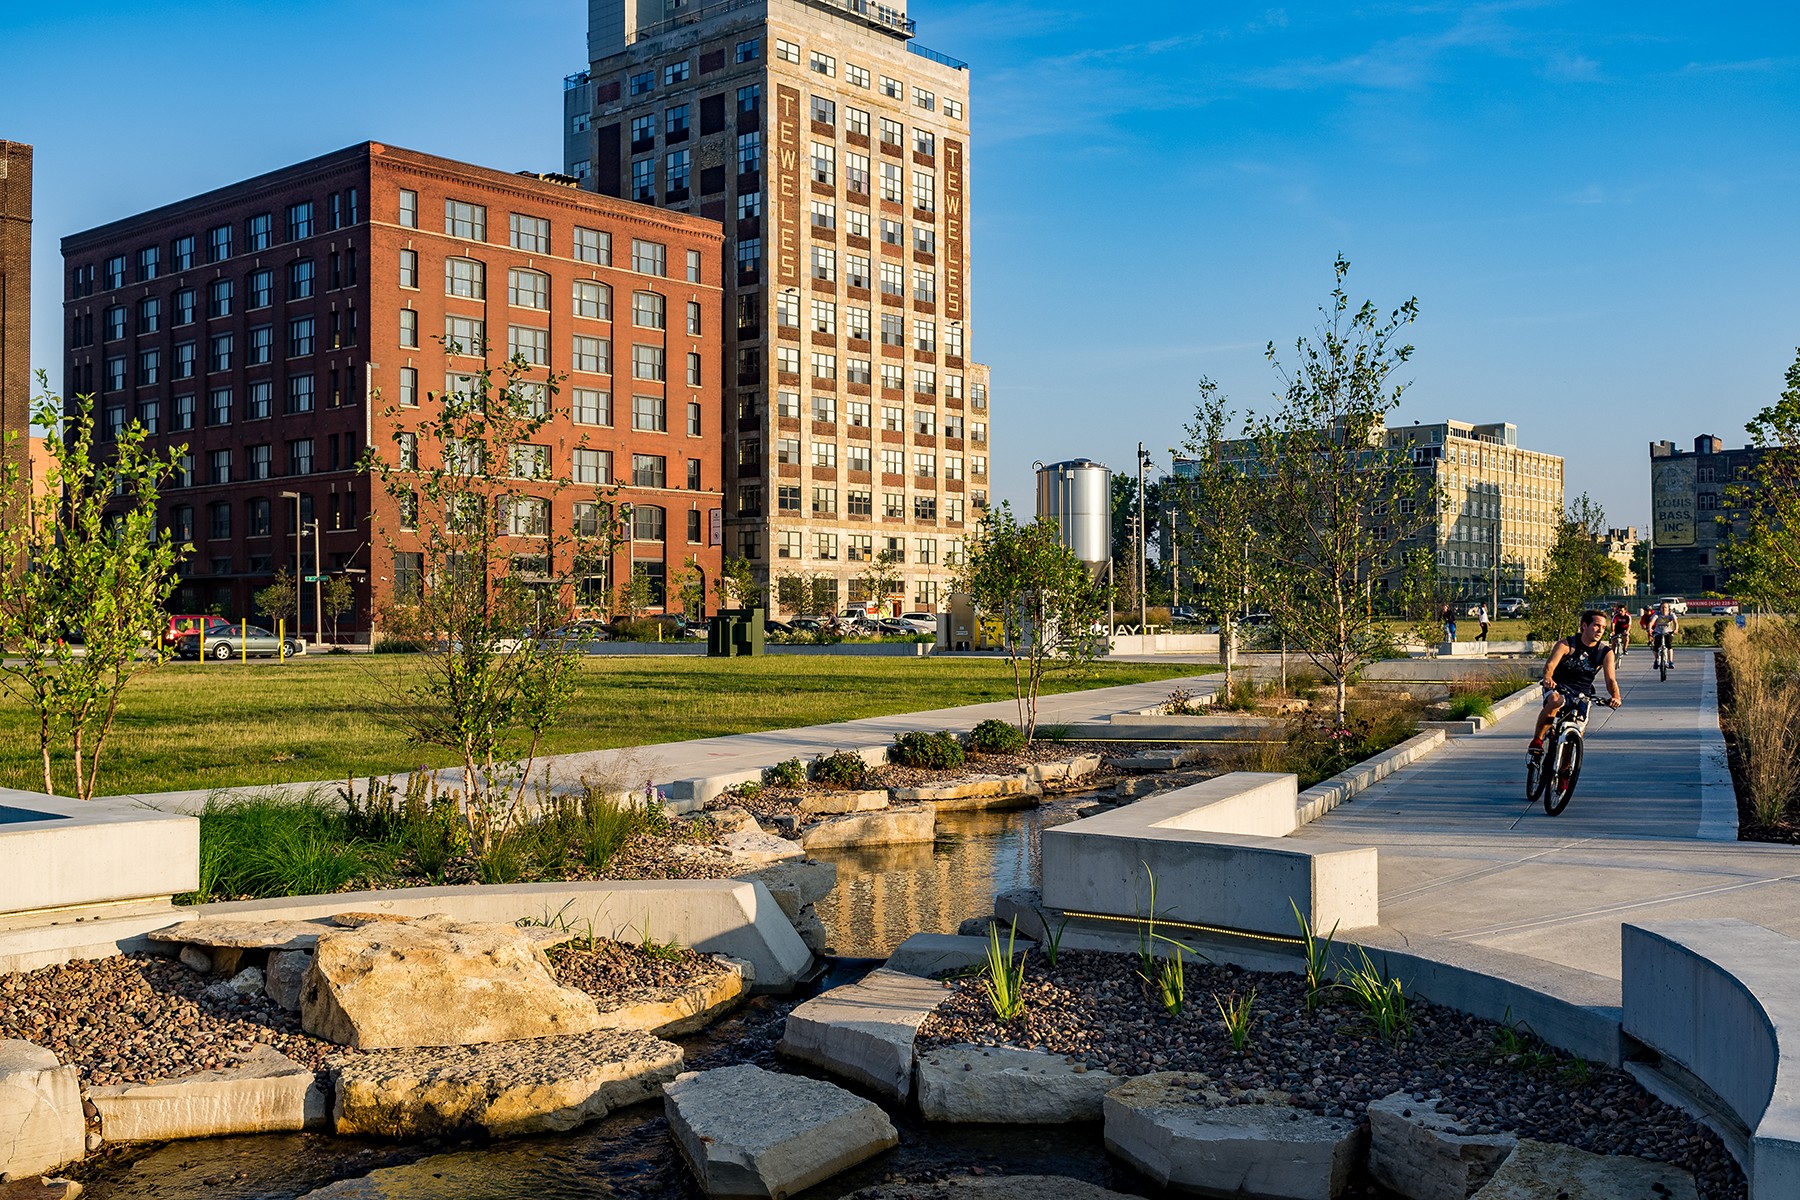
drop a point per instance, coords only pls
(317, 575)
(295, 497)
(1143, 549)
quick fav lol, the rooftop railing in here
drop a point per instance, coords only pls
(955, 64)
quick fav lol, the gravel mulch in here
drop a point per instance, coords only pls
(607, 969)
(1093, 1009)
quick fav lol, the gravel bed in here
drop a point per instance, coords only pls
(606, 969)
(1094, 1009)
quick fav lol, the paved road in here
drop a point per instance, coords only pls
(1650, 833)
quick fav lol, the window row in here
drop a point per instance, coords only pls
(153, 314)
(863, 547)
(858, 456)
(301, 337)
(469, 222)
(223, 405)
(856, 76)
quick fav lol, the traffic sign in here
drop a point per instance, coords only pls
(315, 578)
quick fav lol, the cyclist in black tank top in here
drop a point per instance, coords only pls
(1573, 666)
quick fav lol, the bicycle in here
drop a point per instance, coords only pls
(1665, 653)
(1553, 776)
(1620, 642)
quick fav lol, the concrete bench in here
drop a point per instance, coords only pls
(1720, 1000)
(1218, 858)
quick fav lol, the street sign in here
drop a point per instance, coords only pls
(315, 578)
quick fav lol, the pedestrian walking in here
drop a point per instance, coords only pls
(1481, 615)
(1449, 616)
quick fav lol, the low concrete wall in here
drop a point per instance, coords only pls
(1165, 643)
(1322, 797)
(1217, 858)
(1719, 998)
(57, 853)
(862, 649)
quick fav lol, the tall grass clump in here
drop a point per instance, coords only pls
(273, 844)
(1003, 977)
(1764, 714)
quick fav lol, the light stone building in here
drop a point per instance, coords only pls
(834, 150)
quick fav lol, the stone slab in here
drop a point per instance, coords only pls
(1547, 1171)
(1176, 1135)
(749, 1132)
(547, 1085)
(752, 847)
(974, 787)
(679, 1009)
(1161, 760)
(266, 1092)
(214, 935)
(1427, 1155)
(41, 1124)
(1066, 771)
(1001, 1085)
(808, 881)
(822, 804)
(891, 827)
(864, 1031)
(40, 1189)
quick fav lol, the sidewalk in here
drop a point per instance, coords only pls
(1649, 834)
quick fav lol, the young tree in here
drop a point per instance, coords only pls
(1576, 572)
(277, 600)
(1422, 594)
(1764, 555)
(1040, 593)
(636, 593)
(468, 473)
(736, 585)
(1336, 500)
(338, 595)
(880, 578)
(1217, 526)
(690, 586)
(84, 562)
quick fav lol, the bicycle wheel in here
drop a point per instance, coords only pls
(1534, 774)
(1662, 669)
(1561, 781)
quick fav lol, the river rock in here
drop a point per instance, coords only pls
(890, 827)
(285, 976)
(436, 983)
(247, 982)
(864, 1031)
(1427, 1155)
(266, 1092)
(196, 960)
(1000, 1085)
(1182, 1137)
(1549, 1171)
(547, 1085)
(752, 847)
(821, 804)
(732, 819)
(41, 1125)
(745, 1131)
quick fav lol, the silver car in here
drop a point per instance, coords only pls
(238, 641)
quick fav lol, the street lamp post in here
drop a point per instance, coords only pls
(1143, 549)
(295, 497)
(318, 574)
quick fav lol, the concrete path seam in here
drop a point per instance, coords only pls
(1590, 914)
(1482, 872)
(1718, 796)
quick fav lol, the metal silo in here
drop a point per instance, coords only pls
(1078, 495)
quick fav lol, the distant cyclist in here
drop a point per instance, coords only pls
(1572, 667)
(1621, 629)
(1663, 627)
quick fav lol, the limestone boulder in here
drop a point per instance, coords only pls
(890, 827)
(811, 879)
(1427, 1155)
(999, 1085)
(41, 1125)
(436, 983)
(749, 1132)
(285, 976)
(732, 819)
(754, 847)
(673, 1009)
(1064, 772)
(1179, 1133)
(247, 982)
(547, 1085)
(1548, 1171)
(821, 804)
(812, 930)
(266, 1092)
(864, 1031)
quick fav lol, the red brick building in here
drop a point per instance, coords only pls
(279, 327)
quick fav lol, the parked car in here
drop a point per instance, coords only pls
(922, 622)
(235, 641)
(773, 627)
(1181, 614)
(577, 631)
(1513, 606)
(1676, 604)
(179, 626)
(895, 625)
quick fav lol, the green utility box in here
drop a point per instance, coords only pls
(735, 633)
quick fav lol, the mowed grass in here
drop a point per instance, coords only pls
(193, 725)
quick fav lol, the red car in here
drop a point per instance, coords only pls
(183, 624)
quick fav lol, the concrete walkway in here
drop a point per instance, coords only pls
(1649, 834)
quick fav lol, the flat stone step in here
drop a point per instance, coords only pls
(822, 804)
(41, 1125)
(1161, 760)
(1001, 1085)
(266, 1092)
(745, 1131)
(890, 827)
(545, 1085)
(864, 1031)
(1542, 1170)
(1427, 1155)
(1064, 771)
(976, 787)
(754, 847)
(214, 934)
(928, 954)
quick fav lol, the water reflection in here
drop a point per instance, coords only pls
(888, 893)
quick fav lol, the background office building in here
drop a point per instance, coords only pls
(1691, 512)
(279, 327)
(834, 149)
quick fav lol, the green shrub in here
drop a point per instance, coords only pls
(277, 845)
(788, 774)
(932, 751)
(394, 645)
(1462, 708)
(996, 737)
(845, 769)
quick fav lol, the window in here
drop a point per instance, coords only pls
(787, 543)
(952, 466)
(181, 414)
(824, 454)
(529, 343)
(824, 111)
(647, 362)
(219, 466)
(259, 233)
(824, 163)
(649, 258)
(262, 288)
(824, 501)
(300, 457)
(893, 283)
(824, 366)
(221, 520)
(593, 466)
(926, 549)
(893, 233)
(465, 221)
(650, 413)
(593, 246)
(465, 277)
(953, 109)
(859, 547)
(925, 465)
(530, 234)
(891, 183)
(749, 152)
(260, 462)
(978, 466)
(528, 289)
(893, 504)
(299, 220)
(787, 498)
(787, 51)
(648, 470)
(593, 299)
(259, 400)
(147, 413)
(218, 243)
(409, 328)
(824, 314)
(218, 357)
(647, 310)
(924, 99)
(112, 321)
(925, 336)
(856, 222)
(592, 354)
(529, 462)
(115, 272)
(787, 405)
(693, 271)
(184, 306)
(892, 377)
(300, 279)
(824, 263)
(409, 208)
(749, 51)
(693, 318)
(642, 82)
(857, 456)
(300, 336)
(925, 285)
(856, 177)
(892, 133)
(787, 451)
(676, 73)
(893, 462)
(953, 346)
(924, 141)
(676, 173)
(856, 414)
(149, 263)
(675, 122)
(924, 191)
(409, 387)
(187, 360)
(924, 239)
(856, 320)
(953, 426)
(409, 268)
(749, 99)
(183, 257)
(590, 406)
(300, 395)
(693, 369)
(925, 422)
(586, 517)
(787, 361)
(824, 215)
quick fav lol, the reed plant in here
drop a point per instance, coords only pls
(1235, 1012)
(1764, 714)
(1003, 978)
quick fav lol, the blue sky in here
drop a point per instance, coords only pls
(1594, 203)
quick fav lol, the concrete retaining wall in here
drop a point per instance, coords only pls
(1165, 643)
(1322, 797)
(58, 853)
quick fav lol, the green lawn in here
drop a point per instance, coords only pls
(192, 725)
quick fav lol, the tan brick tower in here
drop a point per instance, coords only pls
(15, 298)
